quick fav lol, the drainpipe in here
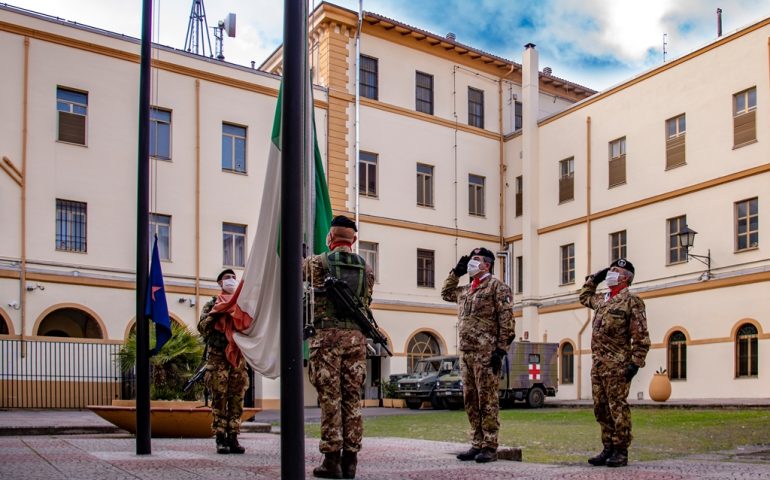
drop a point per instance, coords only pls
(358, 113)
(588, 255)
(24, 139)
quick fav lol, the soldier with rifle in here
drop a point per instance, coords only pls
(337, 364)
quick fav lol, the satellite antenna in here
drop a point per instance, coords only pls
(665, 43)
(198, 31)
(226, 25)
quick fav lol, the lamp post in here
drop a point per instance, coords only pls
(686, 238)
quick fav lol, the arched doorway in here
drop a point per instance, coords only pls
(421, 345)
(4, 328)
(70, 322)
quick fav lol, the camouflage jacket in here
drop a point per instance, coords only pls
(216, 340)
(313, 271)
(485, 315)
(620, 334)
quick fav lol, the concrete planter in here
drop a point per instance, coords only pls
(399, 403)
(168, 419)
(660, 387)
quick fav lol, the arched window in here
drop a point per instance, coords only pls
(677, 356)
(746, 351)
(3, 327)
(567, 364)
(70, 322)
(421, 345)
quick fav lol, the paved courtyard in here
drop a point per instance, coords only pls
(111, 457)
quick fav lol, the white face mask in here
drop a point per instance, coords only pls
(229, 285)
(613, 279)
(473, 267)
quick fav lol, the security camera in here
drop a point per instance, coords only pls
(14, 305)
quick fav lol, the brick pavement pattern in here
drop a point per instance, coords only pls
(111, 457)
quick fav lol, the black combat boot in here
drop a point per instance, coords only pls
(487, 455)
(349, 464)
(601, 459)
(330, 468)
(619, 458)
(222, 445)
(232, 442)
(469, 455)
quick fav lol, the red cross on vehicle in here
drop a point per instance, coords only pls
(534, 371)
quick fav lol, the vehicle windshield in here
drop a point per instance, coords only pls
(424, 367)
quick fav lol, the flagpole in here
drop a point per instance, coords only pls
(293, 130)
(143, 433)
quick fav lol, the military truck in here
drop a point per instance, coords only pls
(528, 373)
(419, 386)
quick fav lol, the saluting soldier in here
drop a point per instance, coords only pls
(619, 345)
(337, 364)
(226, 376)
(486, 329)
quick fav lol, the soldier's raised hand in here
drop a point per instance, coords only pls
(462, 266)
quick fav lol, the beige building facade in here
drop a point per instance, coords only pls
(458, 148)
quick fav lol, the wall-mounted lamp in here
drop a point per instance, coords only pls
(37, 286)
(686, 238)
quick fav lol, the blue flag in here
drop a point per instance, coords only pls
(157, 308)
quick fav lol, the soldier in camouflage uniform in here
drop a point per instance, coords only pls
(619, 345)
(337, 364)
(486, 329)
(226, 382)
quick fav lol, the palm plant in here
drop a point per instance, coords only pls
(171, 366)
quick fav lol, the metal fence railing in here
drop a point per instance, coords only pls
(59, 374)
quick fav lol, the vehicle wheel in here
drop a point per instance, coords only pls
(414, 403)
(436, 403)
(506, 402)
(454, 405)
(535, 397)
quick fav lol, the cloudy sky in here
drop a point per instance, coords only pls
(596, 43)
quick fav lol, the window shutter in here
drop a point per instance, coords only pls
(745, 128)
(675, 152)
(72, 128)
(566, 188)
(618, 171)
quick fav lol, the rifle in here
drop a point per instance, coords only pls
(199, 373)
(344, 299)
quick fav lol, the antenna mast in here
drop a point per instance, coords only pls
(665, 43)
(198, 31)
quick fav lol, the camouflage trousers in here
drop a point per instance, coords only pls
(227, 385)
(481, 401)
(337, 370)
(610, 392)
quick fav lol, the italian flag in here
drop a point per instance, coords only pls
(255, 305)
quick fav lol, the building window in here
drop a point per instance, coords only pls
(745, 117)
(476, 195)
(233, 245)
(568, 264)
(567, 364)
(746, 351)
(475, 107)
(675, 139)
(517, 116)
(617, 162)
(519, 195)
(566, 180)
(370, 252)
(746, 224)
(424, 93)
(424, 185)
(367, 174)
(160, 133)
(71, 226)
(368, 77)
(618, 245)
(233, 148)
(519, 274)
(422, 345)
(160, 225)
(425, 268)
(677, 356)
(73, 111)
(676, 252)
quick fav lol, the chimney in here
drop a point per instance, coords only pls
(547, 71)
(719, 22)
(451, 36)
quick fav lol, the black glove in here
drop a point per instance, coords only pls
(497, 360)
(462, 266)
(599, 276)
(631, 371)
